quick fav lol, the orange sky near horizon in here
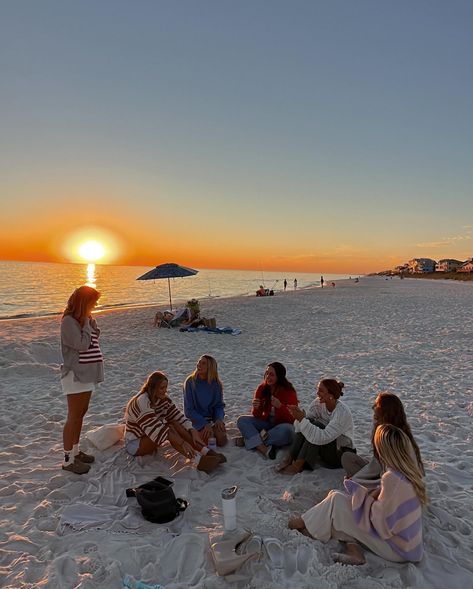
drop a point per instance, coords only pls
(247, 144)
(131, 245)
(42, 232)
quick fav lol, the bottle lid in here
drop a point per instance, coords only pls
(230, 492)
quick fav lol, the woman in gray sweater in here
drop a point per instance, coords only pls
(81, 371)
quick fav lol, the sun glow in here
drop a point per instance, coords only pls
(92, 245)
(92, 251)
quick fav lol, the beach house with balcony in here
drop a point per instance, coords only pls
(421, 265)
(448, 265)
(467, 266)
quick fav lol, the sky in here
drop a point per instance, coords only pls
(316, 136)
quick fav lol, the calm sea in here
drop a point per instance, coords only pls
(31, 289)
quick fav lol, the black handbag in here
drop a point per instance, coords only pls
(158, 503)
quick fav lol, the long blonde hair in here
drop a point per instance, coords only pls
(212, 371)
(395, 450)
(79, 302)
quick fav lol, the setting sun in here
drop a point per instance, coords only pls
(92, 245)
(92, 251)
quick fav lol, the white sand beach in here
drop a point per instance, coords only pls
(407, 336)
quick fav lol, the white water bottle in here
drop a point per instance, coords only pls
(229, 508)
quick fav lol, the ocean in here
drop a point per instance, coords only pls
(33, 289)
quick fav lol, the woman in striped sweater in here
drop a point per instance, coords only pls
(387, 520)
(153, 419)
(81, 371)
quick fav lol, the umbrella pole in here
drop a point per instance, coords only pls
(169, 287)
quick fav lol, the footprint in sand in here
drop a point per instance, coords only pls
(183, 561)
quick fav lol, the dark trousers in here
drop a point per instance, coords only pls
(327, 454)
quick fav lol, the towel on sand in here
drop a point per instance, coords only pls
(229, 330)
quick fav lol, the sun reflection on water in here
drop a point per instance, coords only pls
(91, 279)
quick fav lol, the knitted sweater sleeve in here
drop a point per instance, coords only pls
(190, 409)
(74, 336)
(372, 514)
(337, 426)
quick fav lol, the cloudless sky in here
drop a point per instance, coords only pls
(305, 135)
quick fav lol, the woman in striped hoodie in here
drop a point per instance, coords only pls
(153, 419)
(388, 520)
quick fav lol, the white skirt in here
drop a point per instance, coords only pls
(72, 387)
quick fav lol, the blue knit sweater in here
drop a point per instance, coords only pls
(203, 402)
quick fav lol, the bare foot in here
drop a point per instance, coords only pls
(285, 463)
(295, 523)
(353, 556)
(294, 468)
(262, 449)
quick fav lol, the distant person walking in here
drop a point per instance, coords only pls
(322, 281)
(295, 283)
(81, 371)
(285, 285)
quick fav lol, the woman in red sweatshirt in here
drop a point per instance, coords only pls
(270, 425)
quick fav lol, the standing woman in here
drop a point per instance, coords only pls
(203, 401)
(270, 425)
(387, 520)
(324, 434)
(81, 371)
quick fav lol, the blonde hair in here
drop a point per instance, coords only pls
(151, 384)
(79, 302)
(212, 371)
(395, 450)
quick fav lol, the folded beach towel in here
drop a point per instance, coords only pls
(229, 330)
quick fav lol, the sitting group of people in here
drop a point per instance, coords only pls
(264, 292)
(188, 316)
(381, 506)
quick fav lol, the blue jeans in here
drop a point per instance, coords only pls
(278, 435)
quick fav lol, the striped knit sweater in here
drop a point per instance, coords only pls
(395, 516)
(144, 419)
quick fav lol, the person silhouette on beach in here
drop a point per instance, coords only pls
(295, 283)
(285, 285)
(322, 281)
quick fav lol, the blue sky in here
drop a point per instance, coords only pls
(307, 135)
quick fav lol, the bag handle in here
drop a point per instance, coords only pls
(181, 505)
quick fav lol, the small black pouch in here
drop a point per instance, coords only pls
(158, 503)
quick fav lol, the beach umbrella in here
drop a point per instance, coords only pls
(168, 271)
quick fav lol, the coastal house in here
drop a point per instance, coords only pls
(467, 266)
(448, 265)
(401, 269)
(421, 265)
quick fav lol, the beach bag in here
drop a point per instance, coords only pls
(105, 436)
(158, 503)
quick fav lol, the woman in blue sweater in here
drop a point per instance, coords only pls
(203, 401)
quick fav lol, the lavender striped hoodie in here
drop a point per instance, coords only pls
(395, 516)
